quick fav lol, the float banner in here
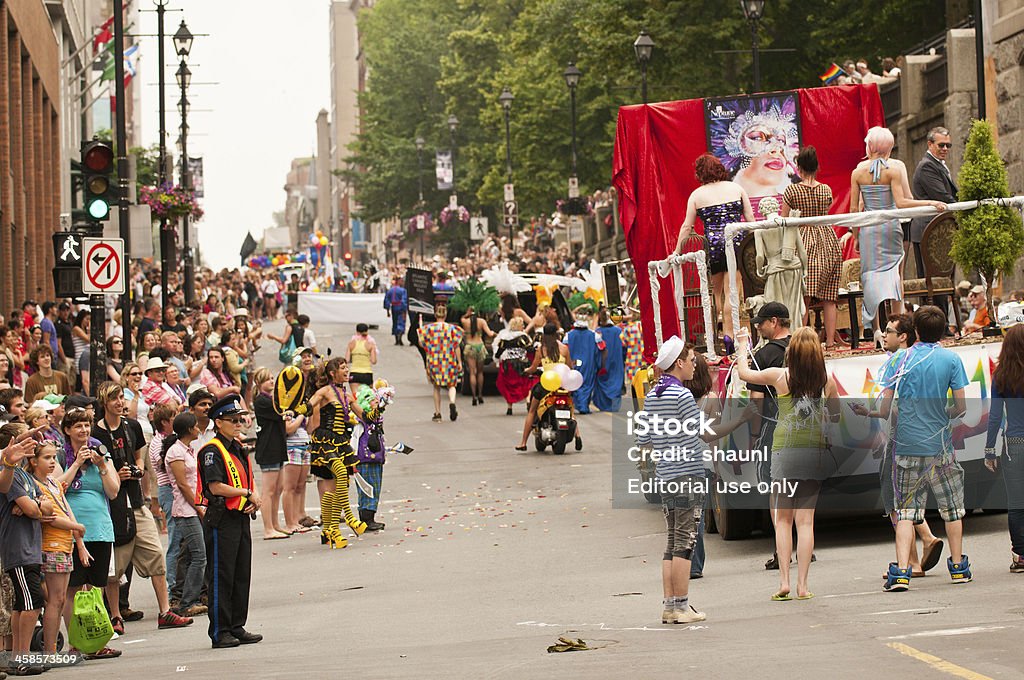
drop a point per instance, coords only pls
(656, 145)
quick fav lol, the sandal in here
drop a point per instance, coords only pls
(931, 555)
(808, 596)
(781, 597)
(436, 418)
(23, 670)
(105, 653)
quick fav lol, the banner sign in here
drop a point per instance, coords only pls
(444, 170)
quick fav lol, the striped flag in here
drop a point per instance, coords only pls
(131, 60)
(831, 73)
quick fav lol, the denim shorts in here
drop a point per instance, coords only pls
(273, 467)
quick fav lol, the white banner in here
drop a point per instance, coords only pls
(444, 171)
(349, 308)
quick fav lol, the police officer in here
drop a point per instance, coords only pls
(228, 492)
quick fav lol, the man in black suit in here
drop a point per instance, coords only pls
(933, 182)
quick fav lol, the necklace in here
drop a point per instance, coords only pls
(343, 402)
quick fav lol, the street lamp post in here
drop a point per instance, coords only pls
(183, 45)
(643, 46)
(166, 242)
(419, 180)
(753, 10)
(572, 79)
(506, 99)
(453, 126)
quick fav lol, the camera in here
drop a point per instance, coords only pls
(135, 471)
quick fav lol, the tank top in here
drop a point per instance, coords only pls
(361, 357)
(799, 430)
(546, 363)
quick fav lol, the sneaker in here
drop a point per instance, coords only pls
(453, 412)
(1017, 565)
(194, 610)
(689, 615)
(961, 571)
(668, 615)
(897, 579)
(117, 623)
(171, 620)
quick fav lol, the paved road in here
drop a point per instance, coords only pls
(489, 556)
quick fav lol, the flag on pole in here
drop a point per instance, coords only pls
(831, 73)
(130, 62)
(103, 35)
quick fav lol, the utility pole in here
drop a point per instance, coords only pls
(99, 358)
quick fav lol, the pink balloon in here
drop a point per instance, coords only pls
(573, 381)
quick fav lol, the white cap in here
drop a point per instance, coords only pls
(44, 405)
(669, 352)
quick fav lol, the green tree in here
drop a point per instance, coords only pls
(990, 238)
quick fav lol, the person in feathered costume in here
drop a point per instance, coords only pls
(513, 349)
(371, 448)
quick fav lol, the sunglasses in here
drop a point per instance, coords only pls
(233, 421)
(135, 374)
(944, 145)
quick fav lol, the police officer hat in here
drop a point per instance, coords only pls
(227, 406)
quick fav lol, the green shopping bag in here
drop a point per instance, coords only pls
(90, 628)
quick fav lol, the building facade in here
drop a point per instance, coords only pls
(30, 151)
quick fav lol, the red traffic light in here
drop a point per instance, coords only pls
(98, 157)
(348, 256)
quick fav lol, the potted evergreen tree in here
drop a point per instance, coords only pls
(989, 238)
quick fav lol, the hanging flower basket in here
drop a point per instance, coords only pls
(428, 223)
(460, 214)
(170, 201)
(580, 205)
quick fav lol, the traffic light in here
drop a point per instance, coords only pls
(98, 190)
(348, 257)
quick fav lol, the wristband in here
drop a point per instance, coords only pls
(990, 453)
(8, 464)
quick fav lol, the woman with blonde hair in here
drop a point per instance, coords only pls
(808, 400)
(880, 183)
(138, 408)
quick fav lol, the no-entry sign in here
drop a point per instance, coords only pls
(102, 266)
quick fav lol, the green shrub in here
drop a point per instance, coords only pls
(990, 238)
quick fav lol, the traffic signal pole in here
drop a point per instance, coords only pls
(122, 200)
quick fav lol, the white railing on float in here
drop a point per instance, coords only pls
(674, 264)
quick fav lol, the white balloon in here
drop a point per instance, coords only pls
(573, 381)
(562, 370)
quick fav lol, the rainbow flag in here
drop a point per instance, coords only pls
(831, 73)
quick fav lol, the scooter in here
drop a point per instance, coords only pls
(555, 424)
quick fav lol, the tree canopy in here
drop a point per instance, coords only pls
(428, 59)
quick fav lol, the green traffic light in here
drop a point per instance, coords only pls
(98, 209)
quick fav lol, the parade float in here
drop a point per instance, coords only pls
(656, 146)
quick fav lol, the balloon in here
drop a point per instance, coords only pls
(319, 234)
(314, 239)
(323, 240)
(562, 370)
(574, 381)
(551, 381)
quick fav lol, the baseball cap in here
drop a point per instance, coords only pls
(769, 310)
(55, 399)
(44, 405)
(80, 401)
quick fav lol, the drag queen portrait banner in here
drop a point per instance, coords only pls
(656, 145)
(757, 139)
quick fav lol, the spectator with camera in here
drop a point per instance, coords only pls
(136, 536)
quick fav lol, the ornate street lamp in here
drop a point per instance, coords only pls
(753, 10)
(572, 80)
(644, 47)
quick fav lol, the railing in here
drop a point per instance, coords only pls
(937, 43)
(936, 84)
(891, 105)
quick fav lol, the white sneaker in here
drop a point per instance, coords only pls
(689, 615)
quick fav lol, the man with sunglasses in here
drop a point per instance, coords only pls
(229, 500)
(933, 182)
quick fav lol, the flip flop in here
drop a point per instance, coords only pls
(276, 537)
(932, 554)
(808, 596)
(781, 597)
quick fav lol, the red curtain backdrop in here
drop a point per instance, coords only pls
(656, 144)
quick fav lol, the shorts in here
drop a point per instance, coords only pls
(98, 572)
(298, 455)
(28, 587)
(538, 391)
(144, 551)
(683, 514)
(58, 563)
(916, 474)
(361, 378)
(906, 231)
(272, 467)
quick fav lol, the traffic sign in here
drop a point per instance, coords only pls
(478, 228)
(67, 249)
(510, 192)
(102, 266)
(511, 213)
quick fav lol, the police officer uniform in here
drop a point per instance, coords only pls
(226, 527)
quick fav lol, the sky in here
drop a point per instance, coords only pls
(270, 61)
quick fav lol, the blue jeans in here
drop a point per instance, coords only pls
(193, 542)
(1013, 476)
(166, 498)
